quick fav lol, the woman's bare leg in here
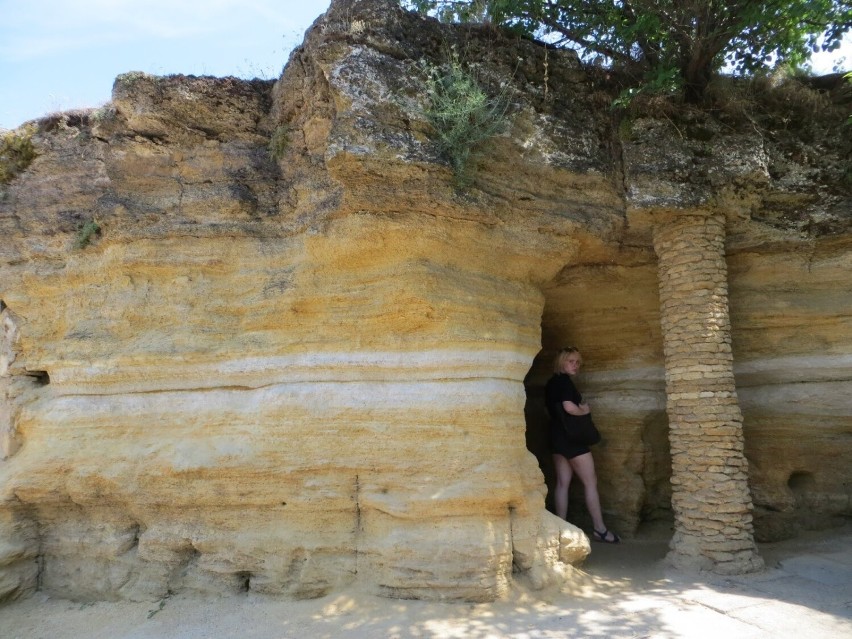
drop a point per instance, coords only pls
(584, 467)
(563, 481)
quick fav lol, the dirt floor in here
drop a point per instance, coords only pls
(625, 591)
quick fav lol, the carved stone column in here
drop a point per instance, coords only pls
(710, 495)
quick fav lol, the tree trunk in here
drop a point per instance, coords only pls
(697, 73)
(710, 496)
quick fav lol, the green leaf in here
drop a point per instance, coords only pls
(696, 38)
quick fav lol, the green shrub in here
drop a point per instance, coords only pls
(104, 114)
(85, 234)
(16, 153)
(278, 142)
(462, 115)
(660, 83)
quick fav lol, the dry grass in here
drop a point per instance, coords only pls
(781, 101)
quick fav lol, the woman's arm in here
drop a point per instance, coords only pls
(573, 409)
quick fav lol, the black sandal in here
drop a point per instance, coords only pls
(602, 536)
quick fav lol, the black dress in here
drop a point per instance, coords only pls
(560, 389)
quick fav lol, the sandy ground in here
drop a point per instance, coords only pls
(625, 591)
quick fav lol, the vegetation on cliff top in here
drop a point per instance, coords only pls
(16, 153)
(463, 115)
(674, 46)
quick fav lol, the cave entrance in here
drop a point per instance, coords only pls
(611, 313)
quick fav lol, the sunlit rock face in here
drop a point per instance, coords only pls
(280, 374)
(295, 371)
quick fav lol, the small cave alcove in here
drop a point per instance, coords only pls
(611, 314)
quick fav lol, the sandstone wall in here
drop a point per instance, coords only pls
(791, 329)
(284, 375)
(788, 280)
(291, 373)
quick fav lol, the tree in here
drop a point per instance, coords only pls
(678, 44)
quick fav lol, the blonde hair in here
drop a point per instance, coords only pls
(563, 355)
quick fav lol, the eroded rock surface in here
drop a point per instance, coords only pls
(295, 371)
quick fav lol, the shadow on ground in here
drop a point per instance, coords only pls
(623, 591)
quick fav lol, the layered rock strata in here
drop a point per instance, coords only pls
(278, 375)
(296, 366)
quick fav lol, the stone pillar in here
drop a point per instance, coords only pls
(710, 496)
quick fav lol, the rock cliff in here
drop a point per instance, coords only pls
(288, 355)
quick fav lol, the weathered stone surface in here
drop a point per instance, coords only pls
(289, 374)
(277, 375)
(787, 290)
(792, 326)
(709, 478)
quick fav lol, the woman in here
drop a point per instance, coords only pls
(569, 458)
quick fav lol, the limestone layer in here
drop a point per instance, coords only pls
(279, 373)
(291, 367)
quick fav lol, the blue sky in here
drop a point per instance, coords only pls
(57, 55)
